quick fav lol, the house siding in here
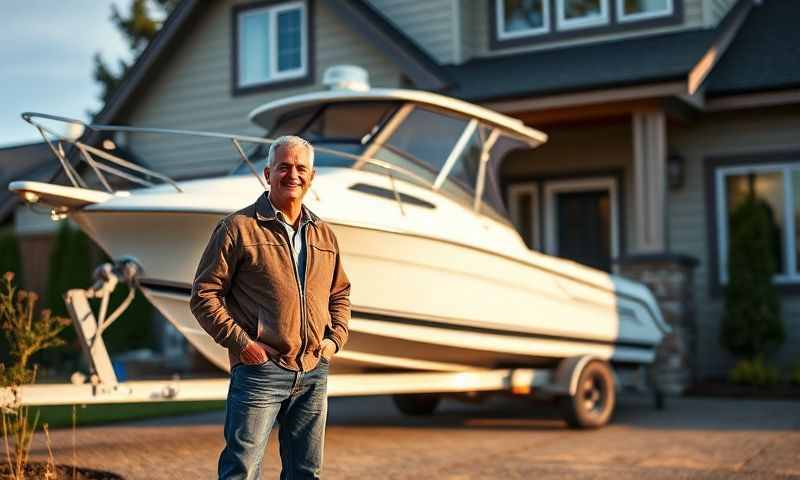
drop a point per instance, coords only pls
(477, 31)
(724, 134)
(192, 91)
(430, 24)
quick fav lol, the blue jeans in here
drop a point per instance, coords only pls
(260, 395)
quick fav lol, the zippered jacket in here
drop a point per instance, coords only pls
(246, 288)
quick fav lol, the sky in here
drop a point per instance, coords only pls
(46, 50)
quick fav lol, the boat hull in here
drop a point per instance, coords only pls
(419, 303)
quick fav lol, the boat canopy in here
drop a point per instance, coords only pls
(438, 142)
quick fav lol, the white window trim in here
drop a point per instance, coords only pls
(552, 188)
(514, 193)
(791, 275)
(564, 24)
(274, 74)
(622, 17)
(502, 34)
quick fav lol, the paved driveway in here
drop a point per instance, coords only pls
(500, 439)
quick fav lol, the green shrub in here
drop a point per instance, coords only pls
(751, 323)
(754, 372)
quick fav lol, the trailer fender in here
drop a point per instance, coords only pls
(565, 377)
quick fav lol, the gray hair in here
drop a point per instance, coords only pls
(291, 142)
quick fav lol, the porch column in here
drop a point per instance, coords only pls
(649, 181)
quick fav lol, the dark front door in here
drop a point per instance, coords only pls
(584, 227)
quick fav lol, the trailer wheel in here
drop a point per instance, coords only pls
(416, 404)
(594, 399)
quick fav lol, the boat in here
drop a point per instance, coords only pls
(408, 180)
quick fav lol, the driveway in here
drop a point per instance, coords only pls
(504, 438)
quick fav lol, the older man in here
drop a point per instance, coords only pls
(270, 288)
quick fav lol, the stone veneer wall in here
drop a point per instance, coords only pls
(671, 279)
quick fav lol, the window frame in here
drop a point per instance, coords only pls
(514, 193)
(500, 17)
(612, 24)
(792, 275)
(276, 79)
(636, 17)
(563, 24)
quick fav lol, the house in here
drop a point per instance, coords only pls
(657, 110)
(32, 161)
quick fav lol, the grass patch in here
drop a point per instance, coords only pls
(60, 416)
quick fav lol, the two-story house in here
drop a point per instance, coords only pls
(657, 112)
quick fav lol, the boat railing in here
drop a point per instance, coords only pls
(105, 164)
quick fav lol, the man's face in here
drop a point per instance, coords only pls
(291, 175)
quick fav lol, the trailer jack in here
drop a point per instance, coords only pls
(89, 327)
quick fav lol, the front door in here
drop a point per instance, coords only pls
(583, 226)
(581, 218)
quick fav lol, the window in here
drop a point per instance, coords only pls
(521, 22)
(518, 18)
(272, 44)
(632, 10)
(581, 13)
(778, 186)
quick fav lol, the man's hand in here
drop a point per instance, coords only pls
(254, 354)
(327, 349)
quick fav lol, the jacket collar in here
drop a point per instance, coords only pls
(266, 212)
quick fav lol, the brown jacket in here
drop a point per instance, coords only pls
(246, 288)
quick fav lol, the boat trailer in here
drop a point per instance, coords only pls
(584, 386)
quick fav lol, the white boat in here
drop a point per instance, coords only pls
(408, 182)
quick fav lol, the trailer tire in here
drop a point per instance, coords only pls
(593, 402)
(416, 404)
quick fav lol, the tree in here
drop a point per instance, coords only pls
(140, 25)
(751, 324)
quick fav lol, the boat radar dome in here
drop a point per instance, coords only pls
(346, 77)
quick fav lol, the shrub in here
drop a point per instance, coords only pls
(751, 323)
(754, 372)
(27, 333)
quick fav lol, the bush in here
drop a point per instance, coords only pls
(751, 323)
(754, 372)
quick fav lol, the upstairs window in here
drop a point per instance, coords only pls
(581, 13)
(519, 18)
(272, 44)
(632, 10)
(521, 22)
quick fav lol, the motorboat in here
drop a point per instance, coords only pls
(408, 180)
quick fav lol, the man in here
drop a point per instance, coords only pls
(270, 288)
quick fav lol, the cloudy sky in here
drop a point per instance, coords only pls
(46, 49)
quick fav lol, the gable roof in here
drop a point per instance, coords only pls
(362, 18)
(32, 161)
(765, 56)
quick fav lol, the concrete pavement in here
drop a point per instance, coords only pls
(503, 438)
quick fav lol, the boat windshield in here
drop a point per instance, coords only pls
(443, 151)
(345, 127)
(425, 145)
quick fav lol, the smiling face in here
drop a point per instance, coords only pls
(290, 176)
